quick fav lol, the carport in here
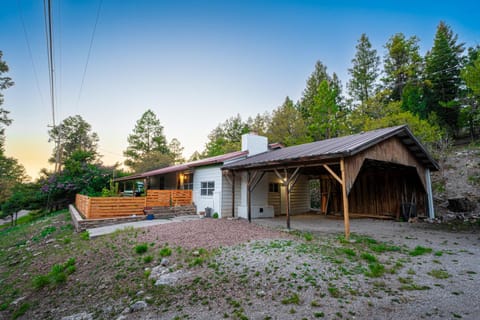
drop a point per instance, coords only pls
(370, 174)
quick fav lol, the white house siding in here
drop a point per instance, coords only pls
(227, 196)
(206, 174)
(259, 199)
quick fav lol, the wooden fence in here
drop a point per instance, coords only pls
(112, 207)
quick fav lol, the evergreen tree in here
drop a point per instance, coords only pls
(147, 138)
(73, 134)
(313, 82)
(226, 137)
(442, 72)
(288, 126)
(324, 122)
(176, 151)
(470, 113)
(402, 64)
(364, 72)
(5, 83)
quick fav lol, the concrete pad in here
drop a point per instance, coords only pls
(100, 231)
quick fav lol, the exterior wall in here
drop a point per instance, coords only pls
(300, 196)
(204, 174)
(274, 197)
(391, 150)
(259, 199)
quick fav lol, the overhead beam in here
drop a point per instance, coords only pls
(333, 173)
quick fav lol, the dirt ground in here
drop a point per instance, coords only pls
(326, 277)
(225, 269)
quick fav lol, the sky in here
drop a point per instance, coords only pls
(194, 63)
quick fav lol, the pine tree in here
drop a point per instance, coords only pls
(176, 150)
(402, 64)
(442, 72)
(364, 72)
(147, 139)
(313, 82)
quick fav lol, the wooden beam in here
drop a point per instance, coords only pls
(346, 217)
(288, 183)
(249, 199)
(333, 173)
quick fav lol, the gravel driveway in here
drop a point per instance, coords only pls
(389, 270)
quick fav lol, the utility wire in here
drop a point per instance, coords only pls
(47, 10)
(30, 52)
(89, 52)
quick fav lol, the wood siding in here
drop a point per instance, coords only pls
(299, 197)
(391, 150)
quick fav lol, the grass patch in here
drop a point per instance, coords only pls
(24, 307)
(141, 248)
(165, 252)
(439, 274)
(293, 299)
(375, 270)
(308, 236)
(368, 257)
(334, 292)
(419, 250)
(349, 252)
(57, 275)
(147, 259)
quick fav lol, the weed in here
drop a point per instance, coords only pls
(165, 252)
(315, 303)
(334, 292)
(85, 235)
(439, 274)
(419, 250)
(21, 310)
(198, 261)
(57, 275)
(368, 257)
(147, 259)
(438, 253)
(375, 270)
(349, 252)
(293, 299)
(141, 248)
(308, 236)
(319, 314)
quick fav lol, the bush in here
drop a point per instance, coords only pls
(165, 252)
(215, 215)
(141, 248)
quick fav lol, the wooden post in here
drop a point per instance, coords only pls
(233, 194)
(346, 218)
(287, 198)
(249, 198)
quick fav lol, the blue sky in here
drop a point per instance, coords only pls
(195, 63)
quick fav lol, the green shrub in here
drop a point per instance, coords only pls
(419, 250)
(85, 235)
(141, 248)
(165, 252)
(215, 215)
(308, 236)
(41, 281)
(147, 259)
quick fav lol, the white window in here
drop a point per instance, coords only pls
(207, 188)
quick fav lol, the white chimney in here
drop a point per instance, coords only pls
(254, 143)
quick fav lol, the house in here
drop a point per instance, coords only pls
(369, 174)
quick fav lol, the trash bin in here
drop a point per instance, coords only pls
(408, 210)
(208, 212)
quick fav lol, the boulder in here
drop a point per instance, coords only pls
(461, 205)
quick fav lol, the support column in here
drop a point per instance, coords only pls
(431, 209)
(289, 183)
(249, 198)
(233, 194)
(346, 216)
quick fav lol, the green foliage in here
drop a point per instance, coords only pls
(85, 235)
(439, 274)
(58, 275)
(141, 248)
(112, 191)
(364, 71)
(147, 259)
(215, 215)
(292, 299)
(147, 143)
(368, 257)
(165, 252)
(442, 72)
(308, 236)
(324, 112)
(375, 270)
(287, 125)
(419, 250)
(226, 137)
(73, 134)
(24, 196)
(20, 311)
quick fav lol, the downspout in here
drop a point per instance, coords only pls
(431, 209)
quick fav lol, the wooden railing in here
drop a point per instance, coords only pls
(111, 207)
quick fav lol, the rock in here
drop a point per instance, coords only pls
(157, 272)
(260, 293)
(165, 262)
(170, 278)
(137, 306)
(79, 316)
(50, 241)
(121, 317)
(461, 205)
(140, 293)
(16, 301)
(195, 253)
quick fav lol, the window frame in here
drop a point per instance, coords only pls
(207, 188)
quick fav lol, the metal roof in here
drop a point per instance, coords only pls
(336, 148)
(186, 166)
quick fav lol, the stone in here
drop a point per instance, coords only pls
(461, 205)
(140, 293)
(121, 317)
(79, 316)
(16, 301)
(165, 262)
(138, 306)
(157, 272)
(195, 253)
(170, 278)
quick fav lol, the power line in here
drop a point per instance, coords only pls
(89, 52)
(47, 10)
(30, 52)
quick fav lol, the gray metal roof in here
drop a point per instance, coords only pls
(335, 148)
